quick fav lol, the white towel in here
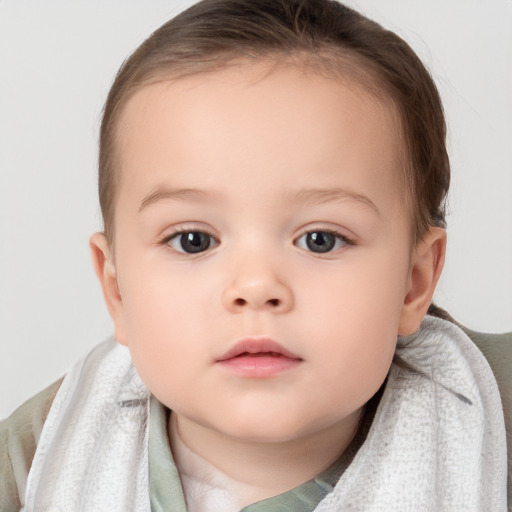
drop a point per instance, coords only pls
(92, 454)
(437, 442)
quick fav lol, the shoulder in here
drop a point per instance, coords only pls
(493, 346)
(19, 435)
(497, 349)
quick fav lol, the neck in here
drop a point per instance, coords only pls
(269, 468)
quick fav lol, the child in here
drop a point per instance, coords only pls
(272, 180)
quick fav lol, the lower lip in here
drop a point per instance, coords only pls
(259, 366)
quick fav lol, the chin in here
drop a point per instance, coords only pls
(266, 430)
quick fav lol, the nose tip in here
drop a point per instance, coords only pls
(265, 295)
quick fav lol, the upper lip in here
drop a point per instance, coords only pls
(256, 346)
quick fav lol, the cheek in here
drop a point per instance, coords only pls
(161, 322)
(355, 318)
(363, 293)
(164, 350)
(157, 296)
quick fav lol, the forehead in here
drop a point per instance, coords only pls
(258, 126)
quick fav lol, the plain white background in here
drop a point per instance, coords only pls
(57, 61)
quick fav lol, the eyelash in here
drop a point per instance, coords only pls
(346, 241)
(183, 231)
(330, 232)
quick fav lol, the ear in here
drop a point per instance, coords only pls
(426, 265)
(104, 266)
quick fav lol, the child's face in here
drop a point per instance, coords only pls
(248, 162)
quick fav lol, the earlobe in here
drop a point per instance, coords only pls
(106, 271)
(426, 266)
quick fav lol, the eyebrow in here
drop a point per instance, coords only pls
(312, 196)
(182, 194)
(320, 196)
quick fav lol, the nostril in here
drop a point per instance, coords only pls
(271, 302)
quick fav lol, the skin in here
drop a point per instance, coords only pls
(257, 143)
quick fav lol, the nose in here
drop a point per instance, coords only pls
(259, 288)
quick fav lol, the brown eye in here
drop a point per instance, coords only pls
(191, 242)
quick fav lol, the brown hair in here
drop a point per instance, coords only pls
(324, 33)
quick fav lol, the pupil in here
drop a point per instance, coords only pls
(195, 241)
(320, 241)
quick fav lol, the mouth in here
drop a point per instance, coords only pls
(258, 358)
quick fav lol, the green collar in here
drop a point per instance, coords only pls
(165, 488)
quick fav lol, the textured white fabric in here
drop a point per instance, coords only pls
(437, 442)
(92, 454)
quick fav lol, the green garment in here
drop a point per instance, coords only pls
(19, 435)
(165, 488)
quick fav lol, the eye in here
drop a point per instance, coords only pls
(191, 242)
(322, 241)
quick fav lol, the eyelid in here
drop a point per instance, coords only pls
(187, 228)
(347, 239)
(341, 232)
